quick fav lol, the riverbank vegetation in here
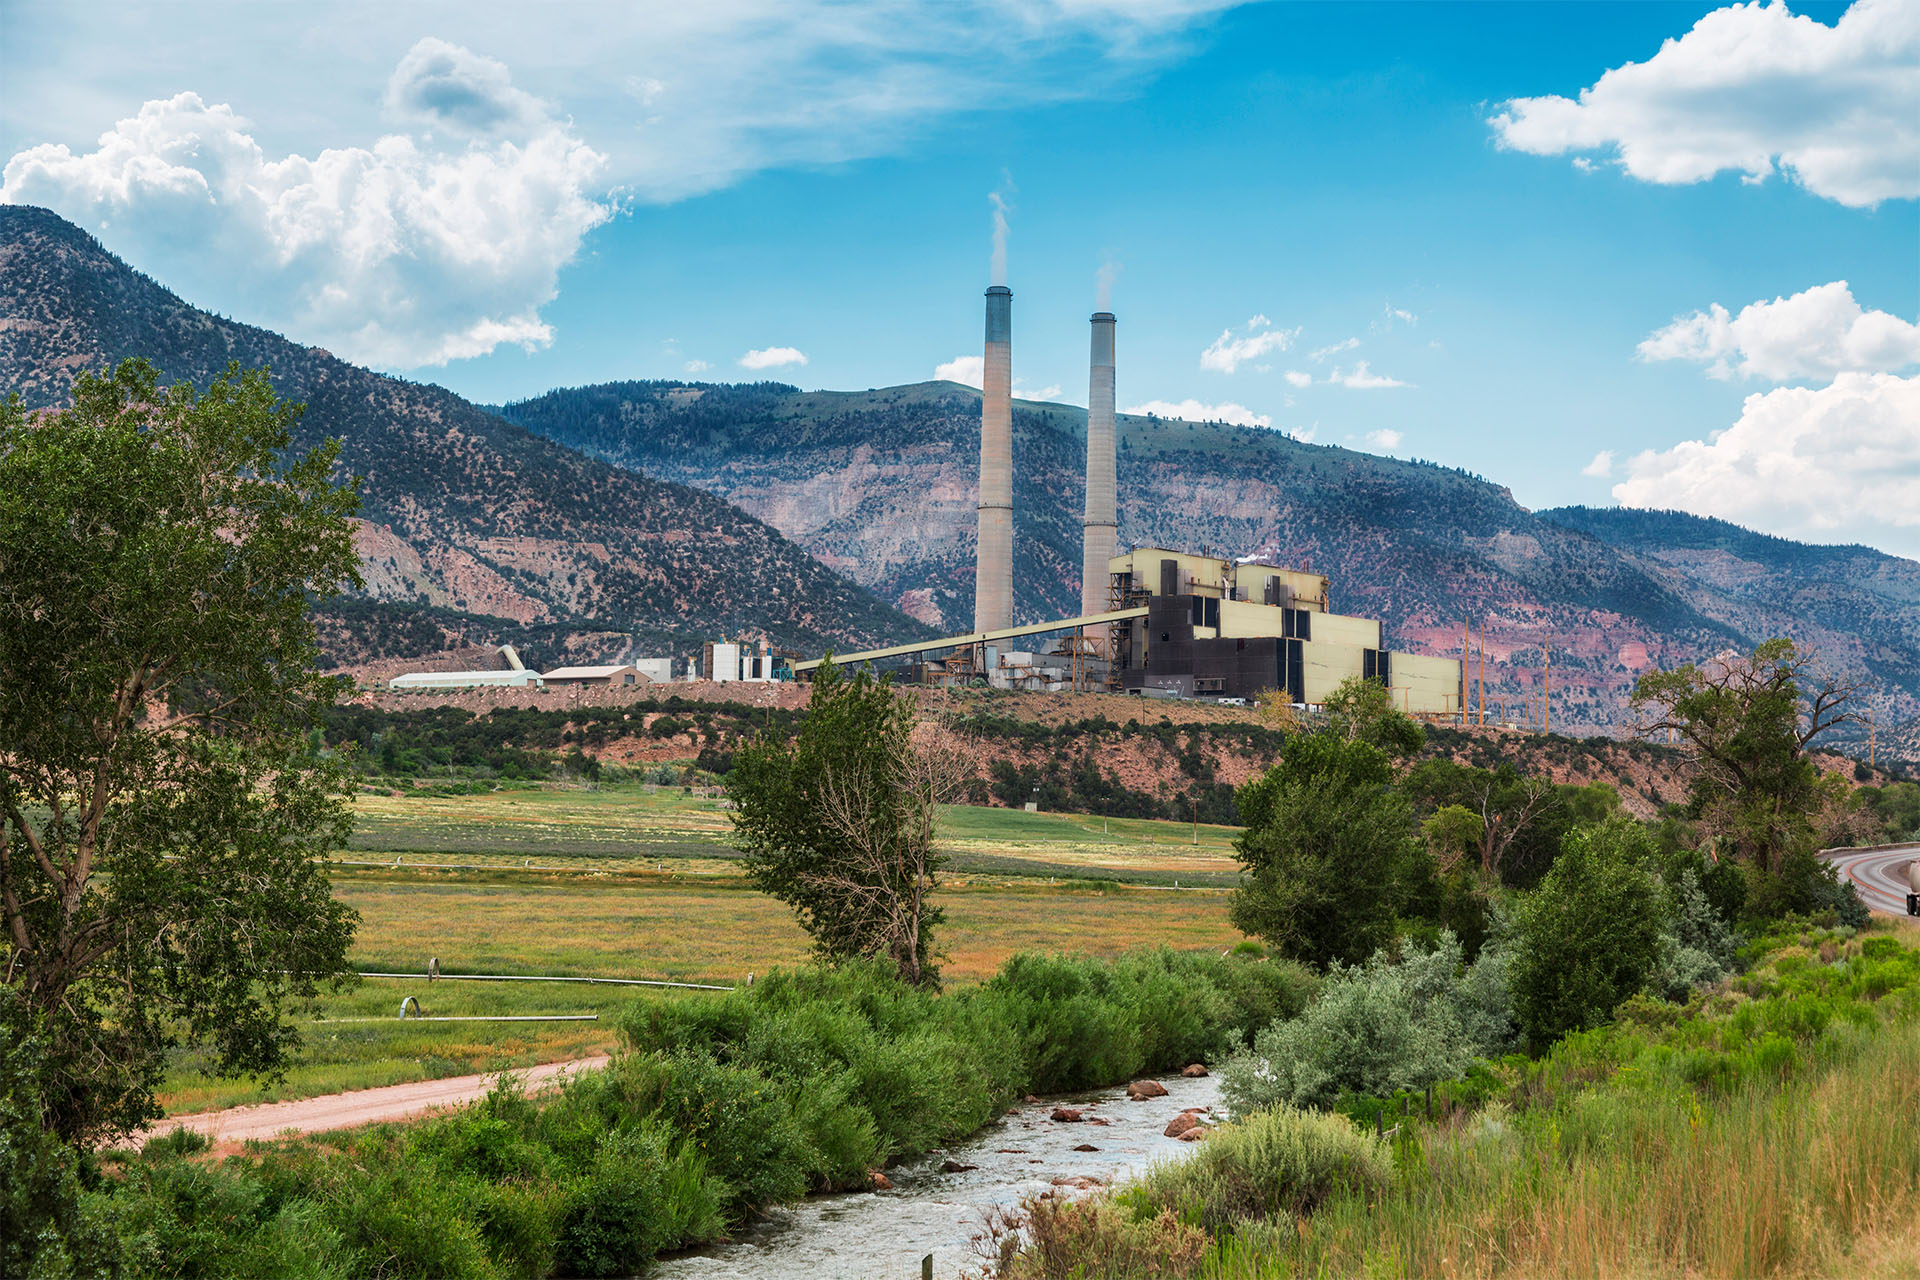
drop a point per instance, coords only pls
(1763, 1126)
(813, 1079)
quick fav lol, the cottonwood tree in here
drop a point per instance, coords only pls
(1747, 720)
(839, 824)
(1330, 850)
(163, 811)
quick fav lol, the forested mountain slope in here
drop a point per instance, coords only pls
(471, 525)
(881, 485)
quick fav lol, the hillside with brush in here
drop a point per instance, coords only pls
(472, 527)
(881, 485)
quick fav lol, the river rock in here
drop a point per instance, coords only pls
(954, 1166)
(1077, 1182)
(1031, 1098)
(878, 1181)
(1180, 1124)
(1086, 1146)
(1196, 1133)
(1097, 1120)
(1141, 1090)
(1194, 1071)
(1067, 1115)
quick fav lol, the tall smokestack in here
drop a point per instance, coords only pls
(1100, 528)
(993, 576)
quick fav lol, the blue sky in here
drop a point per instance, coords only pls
(1331, 199)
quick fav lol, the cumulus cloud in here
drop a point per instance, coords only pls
(441, 85)
(1601, 467)
(1752, 88)
(773, 358)
(409, 252)
(971, 370)
(1044, 393)
(1345, 344)
(1296, 378)
(1385, 439)
(1237, 415)
(1832, 463)
(1817, 333)
(1230, 350)
(1361, 378)
(697, 366)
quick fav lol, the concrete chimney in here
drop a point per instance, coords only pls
(993, 574)
(1100, 528)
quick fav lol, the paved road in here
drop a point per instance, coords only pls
(362, 1106)
(1879, 874)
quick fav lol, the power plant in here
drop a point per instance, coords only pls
(1153, 621)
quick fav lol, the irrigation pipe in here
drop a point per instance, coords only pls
(540, 977)
(504, 1017)
(489, 866)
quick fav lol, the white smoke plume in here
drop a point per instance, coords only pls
(1002, 206)
(1103, 285)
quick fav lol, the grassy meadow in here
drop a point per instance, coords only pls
(648, 889)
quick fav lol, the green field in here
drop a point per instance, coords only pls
(561, 826)
(649, 889)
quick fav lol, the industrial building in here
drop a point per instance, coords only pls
(730, 662)
(624, 674)
(1153, 621)
(513, 676)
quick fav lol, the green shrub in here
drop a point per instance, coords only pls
(1590, 936)
(1376, 1028)
(46, 1229)
(642, 1195)
(1272, 1163)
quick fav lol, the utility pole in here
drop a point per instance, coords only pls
(1466, 669)
(1546, 696)
(1196, 823)
(1483, 672)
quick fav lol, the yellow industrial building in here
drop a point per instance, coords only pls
(1217, 628)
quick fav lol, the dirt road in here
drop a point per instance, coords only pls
(362, 1106)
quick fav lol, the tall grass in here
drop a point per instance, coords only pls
(1771, 1128)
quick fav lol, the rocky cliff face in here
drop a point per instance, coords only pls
(880, 484)
(475, 526)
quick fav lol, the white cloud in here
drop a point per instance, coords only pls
(1601, 467)
(1753, 86)
(968, 369)
(1385, 439)
(772, 358)
(1230, 350)
(1361, 378)
(1831, 463)
(697, 366)
(407, 201)
(1044, 393)
(413, 251)
(1346, 344)
(1390, 315)
(1305, 435)
(1195, 411)
(683, 98)
(1817, 333)
(1298, 379)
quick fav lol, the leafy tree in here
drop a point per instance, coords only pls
(1362, 710)
(1748, 720)
(839, 822)
(161, 807)
(1591, 935)
(1522, 819)
(1330, 850)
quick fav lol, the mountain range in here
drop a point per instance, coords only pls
(646, 516)
(472, 527)
(880, 485)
